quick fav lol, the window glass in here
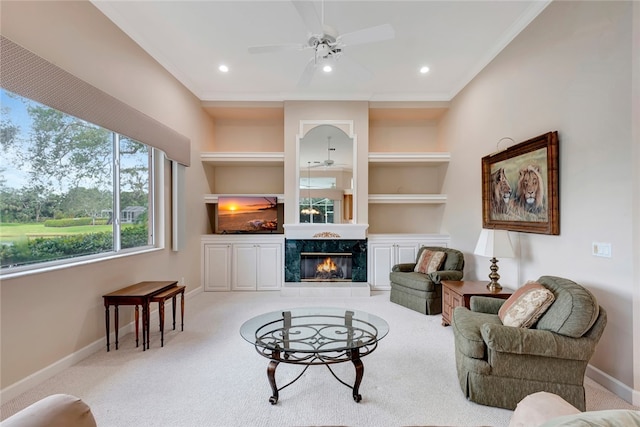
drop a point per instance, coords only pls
(316, 210)
(134, 193)
(61, 180)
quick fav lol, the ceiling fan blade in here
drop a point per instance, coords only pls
(368, 35)
(309, 16)
(307, 74)
(276, 48)
(355, 69)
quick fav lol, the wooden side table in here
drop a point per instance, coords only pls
(161, 298)
(138, 295)
(459, 293)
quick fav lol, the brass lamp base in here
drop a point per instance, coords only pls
(493, 285)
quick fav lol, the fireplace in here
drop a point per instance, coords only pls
(302, 257)
(325, 267)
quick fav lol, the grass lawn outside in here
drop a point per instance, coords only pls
(17, 232)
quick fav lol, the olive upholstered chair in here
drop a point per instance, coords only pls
(499, 365)
(422, 292)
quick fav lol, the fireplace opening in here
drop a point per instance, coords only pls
(325, 267)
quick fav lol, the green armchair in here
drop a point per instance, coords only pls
(499, 365)
(423, 292)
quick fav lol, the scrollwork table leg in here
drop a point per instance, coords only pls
(357, 363)
(271, 374)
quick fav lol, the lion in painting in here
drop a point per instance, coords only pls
(501, 192)
(530, 191)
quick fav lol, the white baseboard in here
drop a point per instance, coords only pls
(616, 387)
(16, 389)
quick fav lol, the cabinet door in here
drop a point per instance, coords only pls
(216, 265)
(382, 257)
(269, 271)
(406, 252)
(244, 267)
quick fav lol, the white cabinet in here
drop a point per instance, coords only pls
(242, 263)
(216, 266)
(387, 250)
(256, 266)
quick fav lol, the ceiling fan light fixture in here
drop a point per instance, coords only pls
(424, 69)
(327, 68)
(223, 68)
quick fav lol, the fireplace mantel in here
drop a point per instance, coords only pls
(325, 231)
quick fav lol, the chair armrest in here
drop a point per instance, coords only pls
(57, 410)
(508, 339)
(484, 304)
(438, 276)
(404, 268)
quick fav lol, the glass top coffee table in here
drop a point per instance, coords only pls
(314, 336)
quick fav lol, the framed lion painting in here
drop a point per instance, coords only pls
(520, 187)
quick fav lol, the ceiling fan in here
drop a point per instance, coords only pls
(328, 162)
(326, 43)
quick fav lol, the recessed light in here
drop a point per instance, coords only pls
(424, 70)
(327, 68)
(223, 68)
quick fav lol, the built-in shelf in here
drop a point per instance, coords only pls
(213, 198)
(243, 158)
(404, 158)
(407, 198)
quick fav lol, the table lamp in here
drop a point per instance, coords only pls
(494, 243)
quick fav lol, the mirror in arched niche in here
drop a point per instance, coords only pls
(326, 176)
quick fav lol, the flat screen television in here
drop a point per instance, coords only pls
(248, 214)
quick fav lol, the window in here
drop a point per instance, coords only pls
(69, 189)
(316, 210)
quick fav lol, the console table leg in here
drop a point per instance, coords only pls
(182, 311)
(357, 363)
(117, 325)
(173, 307)
(106, 321)
(137, 317)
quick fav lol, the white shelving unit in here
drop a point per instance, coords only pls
(405, 181)
(243, 158)
(408, 158)
(407, 198)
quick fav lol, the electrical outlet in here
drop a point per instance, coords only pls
(181, 281)
(601, 249)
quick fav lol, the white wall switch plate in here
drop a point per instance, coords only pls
(601, 249)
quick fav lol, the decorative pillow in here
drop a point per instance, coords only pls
(429, 261)
(516, 295)
(526, 305)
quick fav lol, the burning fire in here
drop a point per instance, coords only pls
(327, 266)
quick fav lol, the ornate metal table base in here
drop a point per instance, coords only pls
(321, 338)
(317, 359)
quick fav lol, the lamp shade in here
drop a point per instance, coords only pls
(494, 244)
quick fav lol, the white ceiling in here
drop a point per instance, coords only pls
(455, 39)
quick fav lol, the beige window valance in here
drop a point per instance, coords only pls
(26, 74)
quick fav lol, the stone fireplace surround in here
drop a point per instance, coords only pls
(325, 238)
(356, 247)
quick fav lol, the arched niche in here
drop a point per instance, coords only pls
(326, 172)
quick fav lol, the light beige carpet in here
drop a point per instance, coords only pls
(209, 376)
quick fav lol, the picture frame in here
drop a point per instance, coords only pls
(520, 187)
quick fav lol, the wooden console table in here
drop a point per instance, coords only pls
(458, 293)
(139, 294)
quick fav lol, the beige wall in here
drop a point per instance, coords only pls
(569, 71)
(635, 120)
(47, 317)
